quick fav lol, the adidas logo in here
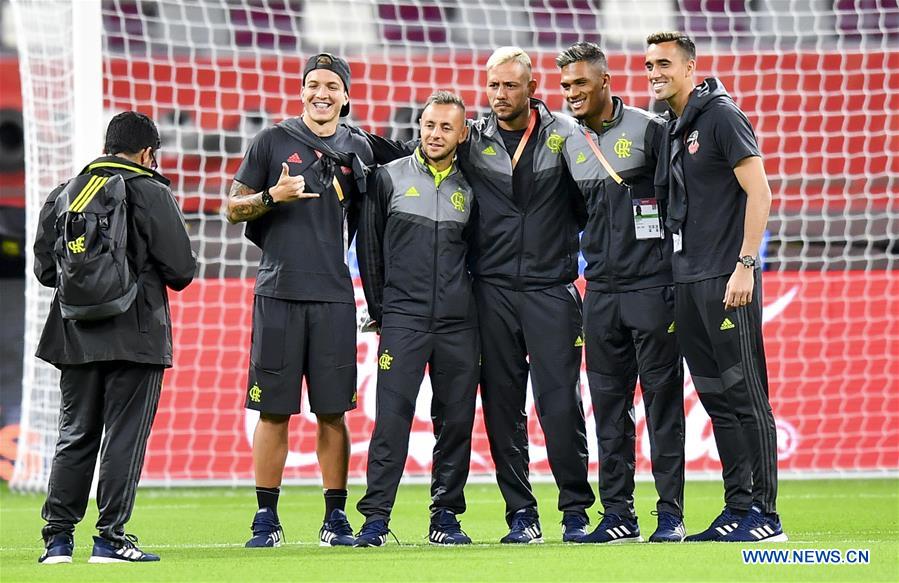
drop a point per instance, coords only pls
(762, 532)
(581, 158)
(129, 553)
(295, 159)
(412, 191)
(672, 328)
(579, 342)
(618, 532)
(727, 324)
(726, 529)
(438, 537)
(489, 151)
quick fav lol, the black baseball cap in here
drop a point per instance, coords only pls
(334, 64)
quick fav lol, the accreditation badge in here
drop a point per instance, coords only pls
(647, 222)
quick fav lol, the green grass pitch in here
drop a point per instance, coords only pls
(200, 533)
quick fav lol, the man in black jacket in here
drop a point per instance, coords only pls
(524, 263)
(526, 249)
(718, 203)
(111, 369)
(298, 190)
(629, 308)
(413, 257)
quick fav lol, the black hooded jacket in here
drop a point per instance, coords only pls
(707, 205)
(158, 250)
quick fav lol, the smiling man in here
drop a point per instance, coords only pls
(413, 247)
(629, 307)
(298, 189)
(524, 263)
(718, 207)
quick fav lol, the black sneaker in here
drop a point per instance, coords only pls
(57, 549)
(757, 527)
(614, 529)
(525, 528)
(336, 531)
(267, 531)
(446, 530)
(373, 534)
(724, 524)
(125, 551)
(574, 526)
(670, 530)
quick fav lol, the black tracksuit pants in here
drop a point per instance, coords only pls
(452, 359)
(726, 356)
(122, 397)
(629, 334)
(538, 332)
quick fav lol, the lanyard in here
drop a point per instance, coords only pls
(602, 159)
(524, 139)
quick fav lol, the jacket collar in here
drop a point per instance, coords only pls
(125, 167)
(546, 118)
(617, 115)
(439, 176)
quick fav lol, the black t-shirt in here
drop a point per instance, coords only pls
(523, 173)
(712, 233)
(304, 242)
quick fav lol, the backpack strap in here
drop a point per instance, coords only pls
(134, 169)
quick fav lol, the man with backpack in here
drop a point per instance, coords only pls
(111, 240)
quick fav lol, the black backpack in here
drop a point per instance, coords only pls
(94, 279)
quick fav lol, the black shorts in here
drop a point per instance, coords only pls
(297, 340)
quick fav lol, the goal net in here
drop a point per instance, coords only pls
(817, 78)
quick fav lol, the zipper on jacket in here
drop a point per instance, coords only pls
(434, 275)
(521, 217)
(613, 265)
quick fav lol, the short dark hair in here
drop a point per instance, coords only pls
(445, 98)
(130, 132)
(583, 51)
(684, 42)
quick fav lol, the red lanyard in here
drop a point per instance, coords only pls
(524, 139)
(602, 159)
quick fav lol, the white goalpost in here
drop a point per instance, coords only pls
(817, 78)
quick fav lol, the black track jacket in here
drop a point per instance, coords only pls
(528, 248)
(159, 252)
(616, 259)
(412, 247)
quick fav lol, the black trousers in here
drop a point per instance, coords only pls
(630, 334)
(121, 397)
(452, 359)
(538, 332)
(726, 356)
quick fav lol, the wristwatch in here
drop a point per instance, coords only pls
(267, 199)
(748, 261)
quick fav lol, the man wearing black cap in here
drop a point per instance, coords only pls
(298, 189)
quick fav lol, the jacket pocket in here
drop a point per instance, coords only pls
(142, 309)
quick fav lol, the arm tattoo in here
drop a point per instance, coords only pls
(244, 204)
